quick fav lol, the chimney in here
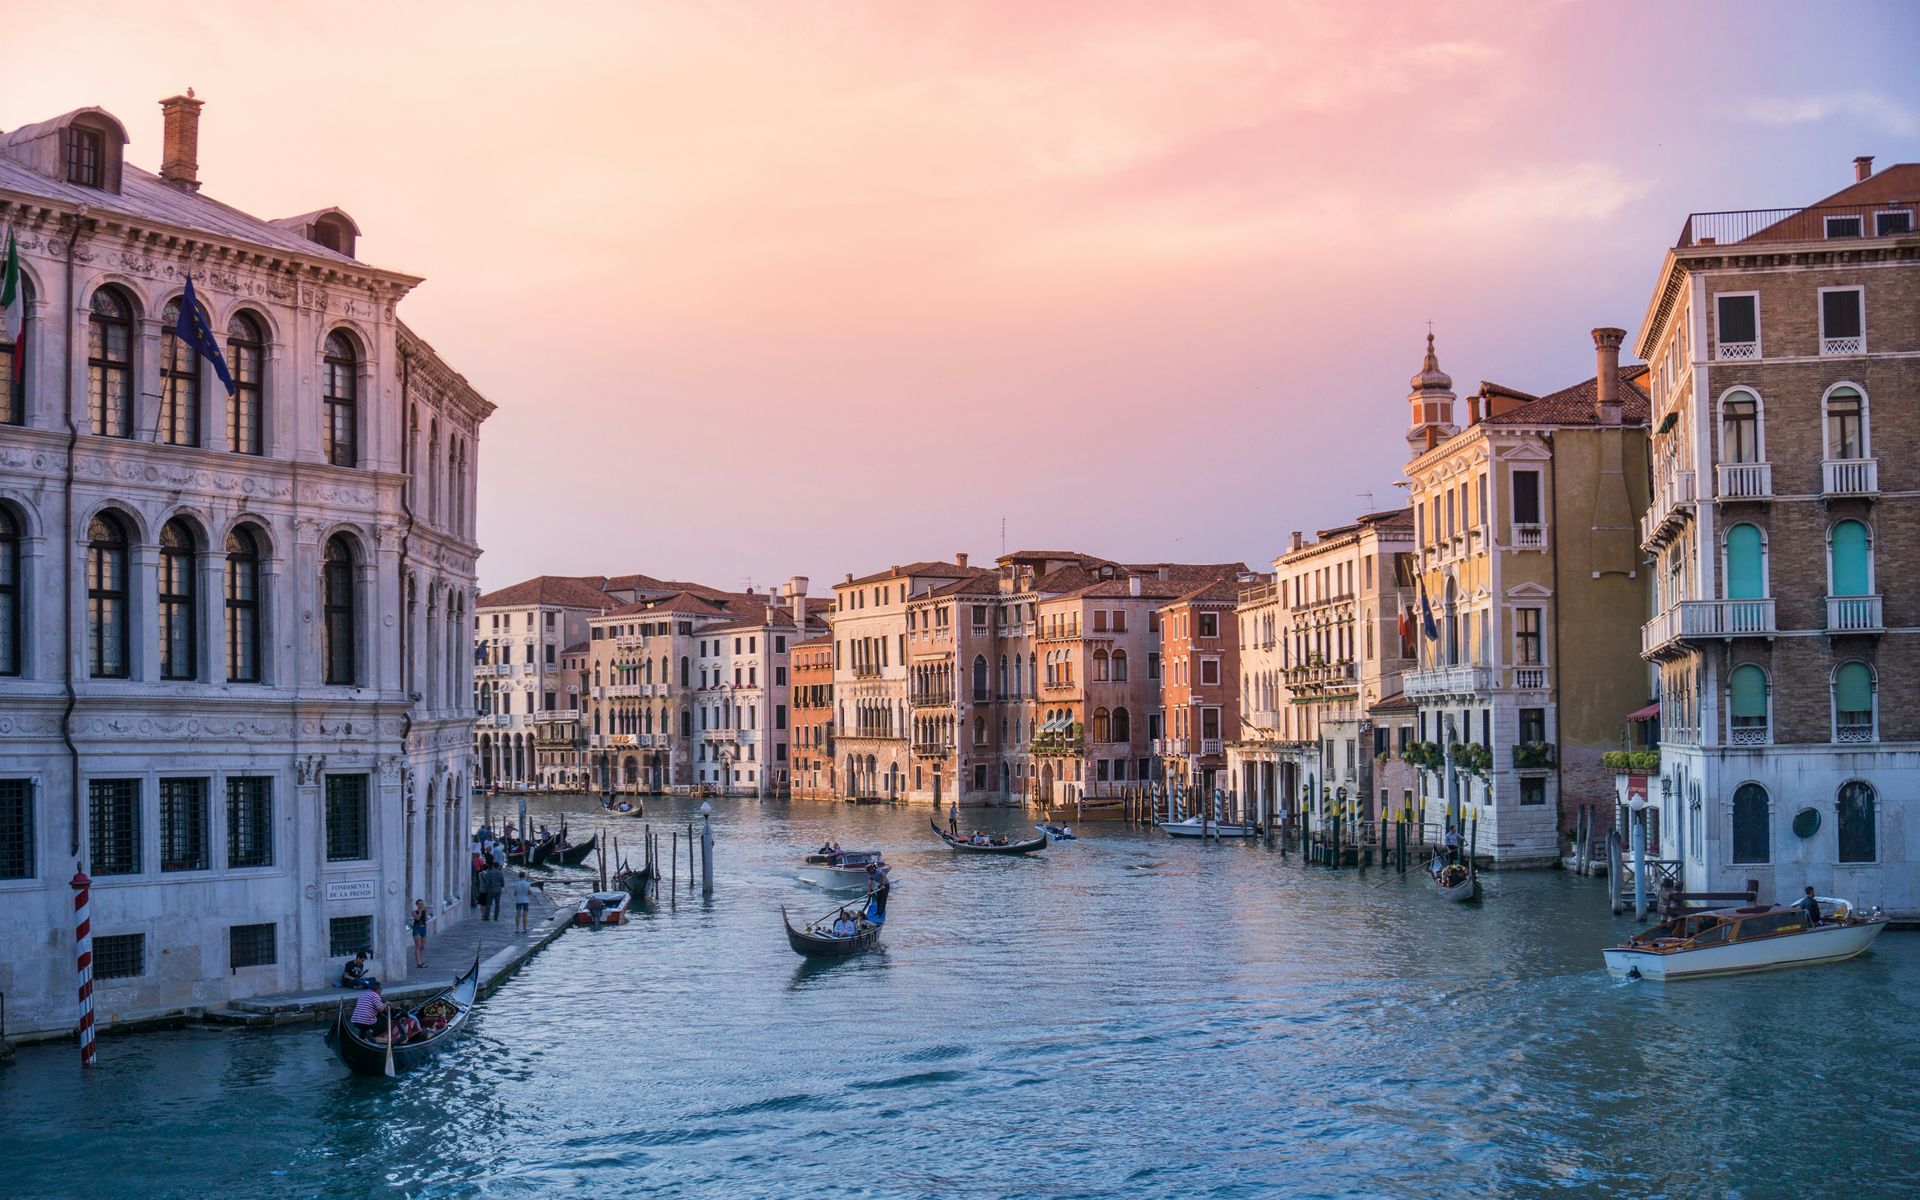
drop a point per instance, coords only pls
(1606, 352)
(1862, 167)
(959, 560)
(1133, 585)
(180, 141)
(1296, 541)
(797, 601)
(1473, 410)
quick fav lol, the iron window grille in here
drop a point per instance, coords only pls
(120, 956)
(348, 829)
(16, 829)
(113, 826)
(347, 936)
(183, 825)
(250, 822)
(251, 946)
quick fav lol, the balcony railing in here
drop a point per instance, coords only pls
(1853, 731)
(1746, 481)
(1530, 678)
(1854, 614)
(1708, 619)
(1850, 477)
(1737, 350)
(932, 749)
(931, 700)
(1529, 537)
(1750, 735)
(1669, 509)
(1807, 224)
(1843, 345)
(1263, 718)
(1464, 679)
(866, 670)
(1209, 745)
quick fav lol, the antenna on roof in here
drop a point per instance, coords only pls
(1003, 535)
(1368, 497)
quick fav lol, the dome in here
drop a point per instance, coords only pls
(1430, 377)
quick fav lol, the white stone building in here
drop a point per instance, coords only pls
(233, 628)
(519, 680)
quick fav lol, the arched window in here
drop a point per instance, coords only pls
(110, 364)
(107, 597)
(1846, 424)
(247, 363)
(1850, 560)
(179, 383)
(1122, 725)
(13, 375)
(1100, 666)
(1752, 819)
(1119, 666)
(1859, 840)
(341, 402)
(1102, 726)
(176, 601)
(1747, 706)
(1853, 702)
(1740, 427)
(1746, 563)
(243, 607)
(979, 677)
(338, 629)
(11, 616)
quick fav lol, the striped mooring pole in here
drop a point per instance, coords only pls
(83, 961)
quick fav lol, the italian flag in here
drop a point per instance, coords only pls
(13, 301)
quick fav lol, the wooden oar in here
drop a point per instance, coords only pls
(389, 1041)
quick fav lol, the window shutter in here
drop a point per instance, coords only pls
(1853, 688)
(1745, 579)
(1849, 559)
(1749, 688)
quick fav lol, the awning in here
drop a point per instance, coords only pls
(1645, 714)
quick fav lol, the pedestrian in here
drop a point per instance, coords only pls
(418, 923)
(953, 818)
(479, 865)
(496, 883)
(522, 898)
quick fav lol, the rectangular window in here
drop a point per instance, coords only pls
(1210, 723)
(113, 826)
(16, 829)
(1842, 324)
(549, 701)
(349, 828)
(249, 822)
(549, 655)
(1209, 625)
(1533, 724)
(1739, 323)
(120, 956)
(348, 936)
(1887, 224)
(1533, 789)
(183, 825)
(1209, 670)
(1843, 227)
(250, 946)
(1153, 665)
(1526, 636)
(1526, 497)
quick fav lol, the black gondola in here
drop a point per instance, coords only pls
(366, 1056)
(642, 882)
(825, 945)
(537, 854)
(573, 856)
(1026, 847)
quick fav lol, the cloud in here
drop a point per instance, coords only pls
(1882, 112)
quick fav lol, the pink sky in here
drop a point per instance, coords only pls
(764, 289)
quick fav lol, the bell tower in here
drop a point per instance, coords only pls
(1432, 400)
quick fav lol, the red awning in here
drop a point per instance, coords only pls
(1645, 714)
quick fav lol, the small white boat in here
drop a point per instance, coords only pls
(1193, 828)
(603, 908)
(838, 872)
(1728, 941)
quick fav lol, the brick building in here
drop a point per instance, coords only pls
(813, 769)
(1199, 684)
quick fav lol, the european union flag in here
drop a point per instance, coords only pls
(192, 329)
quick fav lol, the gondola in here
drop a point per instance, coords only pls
(1059, 833)
(535, 855)
(813, 944)
(1026, 847)
(366, 1056)
(573, 856)
(1454, 881)
(642, 882)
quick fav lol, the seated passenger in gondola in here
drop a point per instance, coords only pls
(844, 925)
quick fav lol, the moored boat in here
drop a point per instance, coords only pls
(1729, 941)
(1454, 881)
(1059, 833)
(839, 871)
(642, 883)
(536, 854)
(817, 939)
(1193, 827)
(603, 908)
(1002, 847)
(442, 1018)
(573, 856)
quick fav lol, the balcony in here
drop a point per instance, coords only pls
(1463, 679)
(1530, 679)
(1529, 537)
(1746, 481)
(1757, 732)
(499, 669)
(931, 749)
(1831, 346)
(721, 735)
(1669, 511)
(1209, 745)
(866, 670)
(932, 699)
(1707, 619)
(1850, 477)
(1736, 351)
(1854, 614)
(1813, 223)
(1153, 747)
(1262, 720)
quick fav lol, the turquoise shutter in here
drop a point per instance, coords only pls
(1850, 559)
(1853, 688)
(1749, 692)
(1745, 578)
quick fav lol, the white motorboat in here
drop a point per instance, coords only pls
(839, 872)
(1728, 941)
(1192, 827)
(603, 908)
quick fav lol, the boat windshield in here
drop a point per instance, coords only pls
(1769, 924)
(1711, 931)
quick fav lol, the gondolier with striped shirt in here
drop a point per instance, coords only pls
(877, 888)
(368, 1008)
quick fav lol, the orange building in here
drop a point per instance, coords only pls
(812, 699)
(1199, 677)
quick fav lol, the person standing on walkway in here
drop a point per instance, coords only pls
(522, 899)
(418, 923)
(498, 875)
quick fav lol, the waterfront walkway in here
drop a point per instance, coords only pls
(499, 948)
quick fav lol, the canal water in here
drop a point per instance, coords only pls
(1120, 1016)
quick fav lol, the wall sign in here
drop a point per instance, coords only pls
(350, 889)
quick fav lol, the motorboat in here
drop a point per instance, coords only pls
(1059, 833)
(1761, 937)
(842, 870)
(603, 908)
(1194, 827)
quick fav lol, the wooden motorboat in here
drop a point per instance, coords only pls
(1004, 847)
(603, 908)
(573, 856)
(838, 872)
(1454, 881)
(817, 939)
(1192, 827)
(1761, 937)
(1059, 833)
(443, 1017)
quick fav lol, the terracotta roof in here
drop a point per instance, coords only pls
(980, 583)
(565, 591)
(1395, 702)
(1574, 405)
(936, 569)
(577, 648)
(825, 639)
(1227, 590)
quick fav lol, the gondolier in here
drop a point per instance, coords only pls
(877, 888)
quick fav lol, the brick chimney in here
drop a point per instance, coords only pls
(1296, 541)
(180, 141)
(1606, 352)
(1473, 410)
(797, 601)
(959, 560)
(1862, 168)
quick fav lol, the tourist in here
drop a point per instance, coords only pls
(844, 925)
(1810, 905)
(418, 923)
(522, 898)
(354, 974)
(368, 1008)
(479, 865)
(492, 880)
